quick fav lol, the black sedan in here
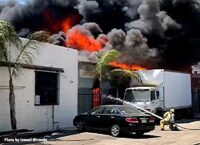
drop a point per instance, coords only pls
(116, 119)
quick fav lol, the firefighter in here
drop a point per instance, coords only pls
(168, 119)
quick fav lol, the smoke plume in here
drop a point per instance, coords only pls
(132, 45)
(164, 32)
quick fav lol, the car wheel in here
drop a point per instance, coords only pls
(115, 130)
(138, 134)
(80, 126)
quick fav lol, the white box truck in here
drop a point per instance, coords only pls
(162, 90)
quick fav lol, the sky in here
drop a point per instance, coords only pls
(23, 2)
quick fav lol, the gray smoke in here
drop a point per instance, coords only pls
(92, 7)
(152, 20)
(117, 39)
(93, 28)
(87, 7)
(149, 22)
(131, 8)
(171, 27)
(167, 22)
(24, 32)
(58, 39)
(64, 3)
(80, 29)
(17, 12)
(132, 45)
(109, 14)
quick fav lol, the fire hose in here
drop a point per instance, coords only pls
(148, 112)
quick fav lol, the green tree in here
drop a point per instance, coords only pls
(121, 78)
(14, 59)
(103, 60)
(116, 77)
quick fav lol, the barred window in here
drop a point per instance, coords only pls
(46, 88)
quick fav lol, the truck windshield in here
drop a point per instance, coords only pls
(137, 95)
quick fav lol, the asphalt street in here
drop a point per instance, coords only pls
(156, 137)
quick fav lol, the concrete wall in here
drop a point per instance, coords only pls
(40, 118)
(86, 79)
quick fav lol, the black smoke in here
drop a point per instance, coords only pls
(182, 46)
(171, 28)
(31, 15)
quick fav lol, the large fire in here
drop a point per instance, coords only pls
(68, 22)
(126, 66)
(54, 25)
(75, 38)
(79, 40)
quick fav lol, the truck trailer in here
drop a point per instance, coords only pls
(162, 90)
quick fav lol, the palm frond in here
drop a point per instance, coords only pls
(26, 55)
(124, 74)
(2, 47)
(103, 60)
(8, 34)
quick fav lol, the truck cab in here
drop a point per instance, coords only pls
(143, 96)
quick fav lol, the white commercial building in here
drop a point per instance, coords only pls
(45, 91)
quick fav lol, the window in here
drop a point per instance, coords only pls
(46, 88)
(97, 111)
(157, 94)
(129, 96)
(110, 110)
(153, 96)
(107, 110)
(142, 95)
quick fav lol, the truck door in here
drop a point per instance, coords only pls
(155, 101)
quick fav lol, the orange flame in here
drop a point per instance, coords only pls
(126, 66)
(54, 25)
(68, 22)
(77, 39)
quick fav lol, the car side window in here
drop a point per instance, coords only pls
(97, 111)
(110, 110)
(107, 110)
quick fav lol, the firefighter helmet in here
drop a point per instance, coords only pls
(172, 110)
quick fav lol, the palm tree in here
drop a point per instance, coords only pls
(14, 62)
(116, 77)
(103, 60)
(120, 79)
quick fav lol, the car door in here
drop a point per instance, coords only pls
(95, 118)
(109, 117)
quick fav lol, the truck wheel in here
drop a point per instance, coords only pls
(115, 130)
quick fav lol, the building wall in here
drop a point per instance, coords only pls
(85, 86)
(40, 118)
(196, 88)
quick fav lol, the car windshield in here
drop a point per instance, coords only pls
(129, 110)
(137, 95)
